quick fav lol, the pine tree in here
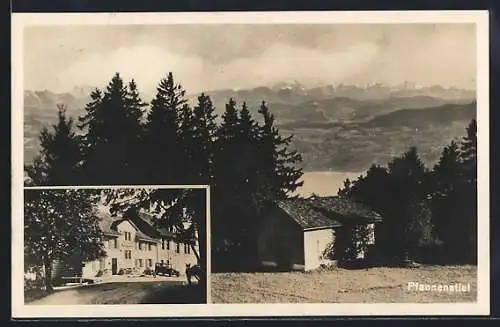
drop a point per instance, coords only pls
(347, 188)
(59, 158)
(454, 202)
(445, 197)
(135, 133)
(226, 225)
(135, 105)
(447, 171)
(248, 163)
(112, 124)
(468, 152)
(60, 224)
(399, 193)
(409, 185)
(374, 190)
(226, 150)
(204, 131)
(279, 163)
(187, 145)
(468, 195)
(162, 140)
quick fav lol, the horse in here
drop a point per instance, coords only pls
(194, 271)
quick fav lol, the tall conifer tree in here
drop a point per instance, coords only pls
(204, 130)
(60, 158)
(279, 162)
(162, 140)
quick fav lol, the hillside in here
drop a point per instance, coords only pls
(343, 128)
(422, 117)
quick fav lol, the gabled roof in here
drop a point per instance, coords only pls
(143, 222)
(340, 207)
(139, 235)
(145, 229)
(149, 219)
(105, 223)
(327, 212)
(301, 211)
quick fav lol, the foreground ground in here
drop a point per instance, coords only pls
(126, 293)
(383, 285)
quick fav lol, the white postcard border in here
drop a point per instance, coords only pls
(481, 307)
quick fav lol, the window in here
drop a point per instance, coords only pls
(140, 262)
(150, 262)
(115, 243)
(185, 248)
(140, 246)
(189, 249)
(128, 236)
(178, 250)
(128, 254)
(163, 244)
(149, 246)
(168, 245)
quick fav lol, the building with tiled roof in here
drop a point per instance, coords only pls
(296, 232)
(135, 243)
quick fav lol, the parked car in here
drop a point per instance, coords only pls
(148, 272)
(166, 270)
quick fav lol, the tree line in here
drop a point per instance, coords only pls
(429, 214)
(122, 140)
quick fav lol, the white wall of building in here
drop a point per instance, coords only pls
(138, 254)
(315, 244)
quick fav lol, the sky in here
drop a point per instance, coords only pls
(208, 57)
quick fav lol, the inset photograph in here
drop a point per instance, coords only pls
(115, 246)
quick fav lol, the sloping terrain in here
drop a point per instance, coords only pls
(374, 285)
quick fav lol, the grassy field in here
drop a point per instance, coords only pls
(126, 293)
(382, 285)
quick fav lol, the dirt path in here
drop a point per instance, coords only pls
(127, 293)
(70, 297)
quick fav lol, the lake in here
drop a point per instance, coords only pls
(324, 183)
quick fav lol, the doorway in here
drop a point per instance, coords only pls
(114, 266)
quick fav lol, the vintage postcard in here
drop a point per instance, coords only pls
(250, 164)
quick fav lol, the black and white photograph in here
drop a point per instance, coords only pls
(114, 246)
(308, 159)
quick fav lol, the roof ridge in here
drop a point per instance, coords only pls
(326, 211)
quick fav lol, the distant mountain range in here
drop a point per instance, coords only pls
(287, 96)
(342, 127)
